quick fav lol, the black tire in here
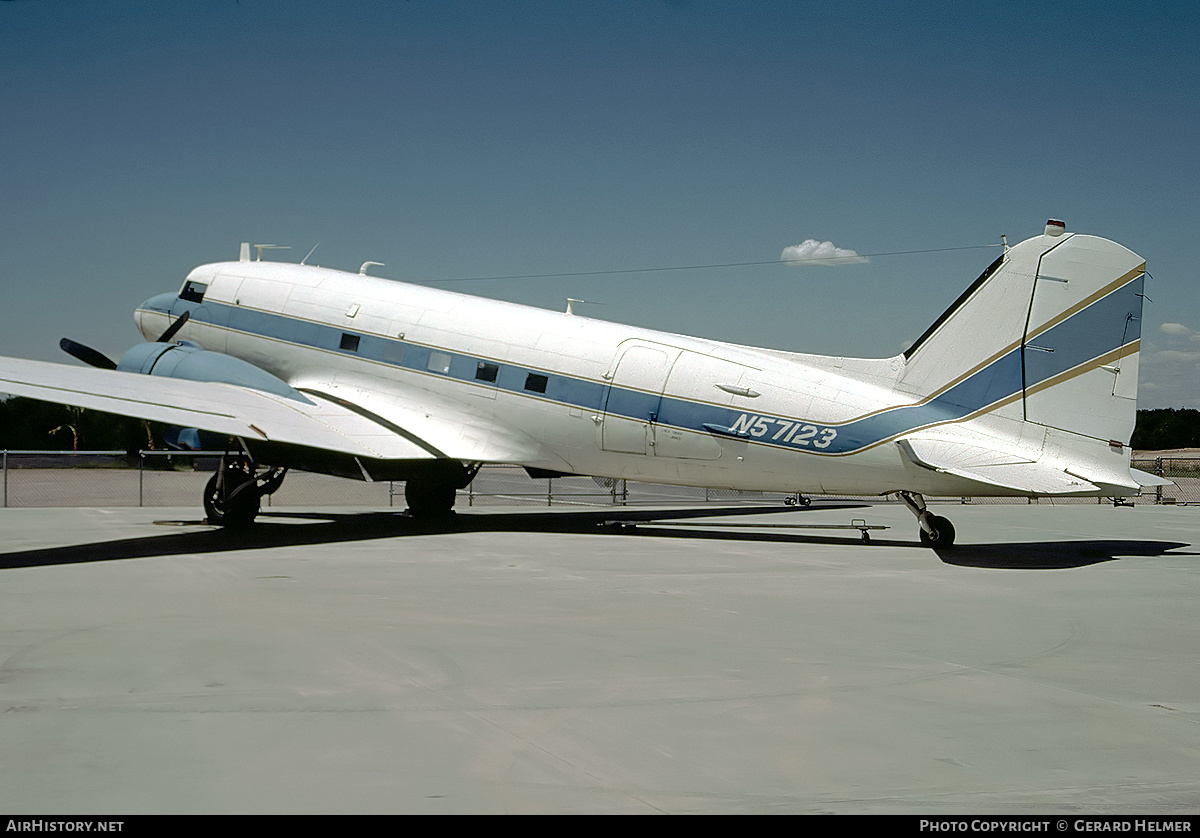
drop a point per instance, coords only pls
(945, 533)
(240, 505)
(429, 498)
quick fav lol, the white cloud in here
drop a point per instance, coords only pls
(813, 252)
(1172, 355)
(1170, 377)
(1174, 329)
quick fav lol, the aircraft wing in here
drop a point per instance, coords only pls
(221, 408)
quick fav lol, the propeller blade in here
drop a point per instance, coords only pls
(87, 354)
(166, 336)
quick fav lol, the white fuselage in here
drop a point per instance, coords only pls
(577, 395)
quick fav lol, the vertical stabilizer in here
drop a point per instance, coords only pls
(1048, 334)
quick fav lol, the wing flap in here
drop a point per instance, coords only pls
(211, 406)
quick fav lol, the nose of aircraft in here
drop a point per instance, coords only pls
(160, 302)
(149, 315)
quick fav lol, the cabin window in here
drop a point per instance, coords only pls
(193, 291)
(439, 362)
(349, 342)
(536, 383)
(486, 372)
(393, 352)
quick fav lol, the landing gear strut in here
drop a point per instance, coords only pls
(936, 531)
(234, 494)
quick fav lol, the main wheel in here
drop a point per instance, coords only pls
(238, 505)
(429, 498)
(944, 532)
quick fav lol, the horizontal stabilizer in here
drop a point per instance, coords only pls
(992, 467)
(1148, 480)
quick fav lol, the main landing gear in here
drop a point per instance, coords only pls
(234, 494)
(431, 492)
(936, 531)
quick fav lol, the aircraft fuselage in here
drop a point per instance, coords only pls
(570, 393)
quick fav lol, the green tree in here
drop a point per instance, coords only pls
(42, 426)
(1167, 427)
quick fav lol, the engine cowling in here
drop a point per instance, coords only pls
(193, 363)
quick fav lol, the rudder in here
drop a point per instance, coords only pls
(1083, 339)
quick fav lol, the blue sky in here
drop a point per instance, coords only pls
(481, 139)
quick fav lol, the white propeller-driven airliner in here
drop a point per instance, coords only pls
(1025, 386)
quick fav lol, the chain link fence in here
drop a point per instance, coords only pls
(162, 478)
(1183, 471)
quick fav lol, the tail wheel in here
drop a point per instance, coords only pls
(943, 532)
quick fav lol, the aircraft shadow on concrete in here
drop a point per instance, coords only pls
(286, 529)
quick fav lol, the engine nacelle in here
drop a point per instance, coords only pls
(191, 362)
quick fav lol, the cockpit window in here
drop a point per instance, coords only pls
(193, 291)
